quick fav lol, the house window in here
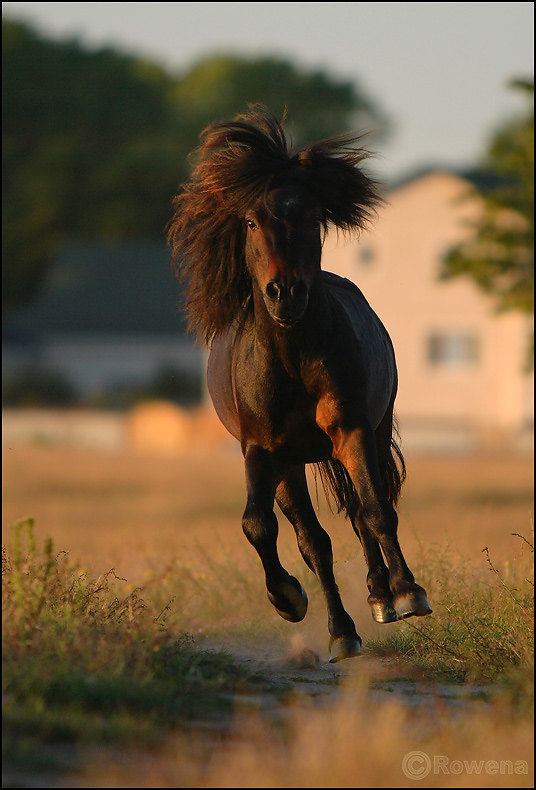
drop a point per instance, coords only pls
(452, 349)
(365, 255)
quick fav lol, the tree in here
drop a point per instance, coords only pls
(96, 143)
(318, 105)
(499, 255)
(82, 151)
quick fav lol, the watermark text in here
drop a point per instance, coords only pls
(418, 765)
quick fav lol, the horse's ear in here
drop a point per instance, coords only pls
(334, 174)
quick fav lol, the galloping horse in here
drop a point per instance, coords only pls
(301, 370)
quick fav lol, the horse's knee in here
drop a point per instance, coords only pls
(259, 526)
(380, 517)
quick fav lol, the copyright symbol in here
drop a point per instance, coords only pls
(416, 765)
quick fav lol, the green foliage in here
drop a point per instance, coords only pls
(83, 153)
(318, 106)
(482, 626)
(84, 661)
(499, 256)
(96, 142)
(34, 386)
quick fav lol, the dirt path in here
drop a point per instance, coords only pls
(302, 676)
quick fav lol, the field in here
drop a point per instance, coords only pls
(140, 648)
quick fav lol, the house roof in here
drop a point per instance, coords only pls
(92, 287)
(482, 180)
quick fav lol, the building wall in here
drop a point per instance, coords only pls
(96, 361)
(93, 362)
(478, 379)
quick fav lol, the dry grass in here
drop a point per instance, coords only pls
(171, 527)
(109, 507)
(150, 517)
(85, 660)
(355, 743)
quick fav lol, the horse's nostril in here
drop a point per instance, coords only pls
(298, 290)
(273, 291)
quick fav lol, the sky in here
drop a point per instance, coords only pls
(438, 70)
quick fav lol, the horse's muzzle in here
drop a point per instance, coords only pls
(286, 303)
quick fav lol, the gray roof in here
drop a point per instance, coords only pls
(482, 180)
(92, 288)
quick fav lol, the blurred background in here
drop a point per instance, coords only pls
(102, 102)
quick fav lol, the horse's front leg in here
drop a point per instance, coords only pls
(260, 527)
(354, 444)
(315, 546)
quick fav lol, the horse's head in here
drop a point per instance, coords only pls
(283, 249)
(252, 216)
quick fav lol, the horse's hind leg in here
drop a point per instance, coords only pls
(260, 527)
(380, 598)
(357, 450)
(315, 546)
(409, 599)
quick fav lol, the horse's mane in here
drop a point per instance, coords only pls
(238, 163)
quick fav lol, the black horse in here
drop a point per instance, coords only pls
(301, 370)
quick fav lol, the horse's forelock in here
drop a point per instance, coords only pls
(240, 158)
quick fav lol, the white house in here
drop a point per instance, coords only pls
(462, 366)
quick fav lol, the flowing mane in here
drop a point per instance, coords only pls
(237, 164)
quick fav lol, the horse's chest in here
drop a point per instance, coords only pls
(280, 416)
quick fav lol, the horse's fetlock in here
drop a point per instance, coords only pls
(378, 577)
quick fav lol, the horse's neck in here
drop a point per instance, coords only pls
(291, 345)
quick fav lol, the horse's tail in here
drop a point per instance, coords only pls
(338, 486)
(393, 472)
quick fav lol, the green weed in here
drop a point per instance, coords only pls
(85, 661)
(482, 625)
(222, 592)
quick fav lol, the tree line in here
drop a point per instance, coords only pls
(96, 143)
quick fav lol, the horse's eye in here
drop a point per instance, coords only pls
(316, 224)
(251, 224)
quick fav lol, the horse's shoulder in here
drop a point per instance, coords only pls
(353, 302)
(344, 290)
(335, 282)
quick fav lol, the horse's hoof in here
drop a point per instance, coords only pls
(344, 647)
(290, 600)
(383, 612)
(412, 604)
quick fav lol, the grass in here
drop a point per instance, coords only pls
(482, 628)
(115, 683)
(355, 743)
(222, 593)
(120, 509)
(86, 663)
(101, 687)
